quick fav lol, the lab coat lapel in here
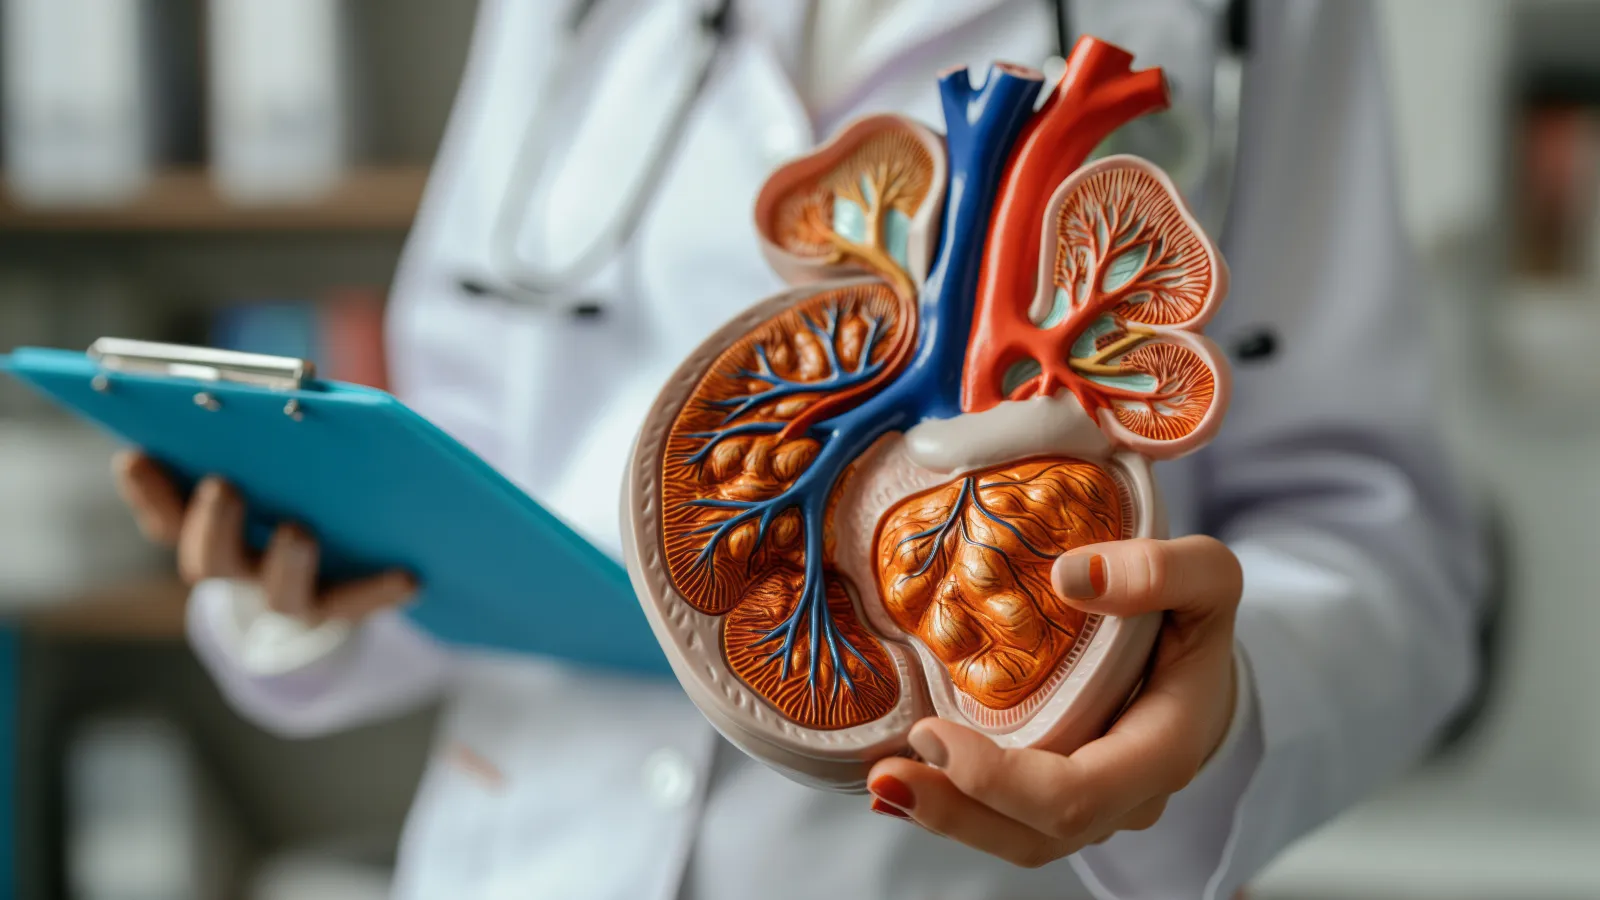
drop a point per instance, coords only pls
(783, 26)
(907, 27)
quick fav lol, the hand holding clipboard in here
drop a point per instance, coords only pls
(380, 488)
(207, 530)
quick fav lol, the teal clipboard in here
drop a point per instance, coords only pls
(379, 486)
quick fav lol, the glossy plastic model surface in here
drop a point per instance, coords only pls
(843, 508)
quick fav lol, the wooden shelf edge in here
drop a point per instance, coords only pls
(382, 198)
(151, 610)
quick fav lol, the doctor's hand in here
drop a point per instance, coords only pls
(208, 533)
(1031, 807)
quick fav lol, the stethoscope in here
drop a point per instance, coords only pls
(560, 289)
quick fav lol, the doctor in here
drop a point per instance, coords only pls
(1279, 699)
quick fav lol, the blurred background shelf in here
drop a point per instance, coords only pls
(147, 610)
(105, 231)
(374, 198)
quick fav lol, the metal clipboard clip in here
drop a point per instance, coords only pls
(203, 364)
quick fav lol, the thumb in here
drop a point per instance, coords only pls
(1192, 577)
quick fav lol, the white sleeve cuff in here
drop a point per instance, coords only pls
(233, 615)
(1244, 714)
(1181, 854)
(300, 680)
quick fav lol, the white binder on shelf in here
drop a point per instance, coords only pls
(144, 820)
(279, 106)
(78, 100)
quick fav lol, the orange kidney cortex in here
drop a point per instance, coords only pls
(965, 568)
(861, 201)
(725, 448)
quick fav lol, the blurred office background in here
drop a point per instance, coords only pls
(239, 173)
(1498, 108)
(243, 172)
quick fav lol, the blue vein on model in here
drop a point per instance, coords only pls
(981, 126)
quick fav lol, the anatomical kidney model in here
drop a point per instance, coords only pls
(843, 509)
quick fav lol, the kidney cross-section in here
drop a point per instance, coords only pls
(740, 491)
(843, 509)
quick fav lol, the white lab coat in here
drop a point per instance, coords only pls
(1361, 581)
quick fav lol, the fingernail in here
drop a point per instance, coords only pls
(885, 809)
(892, 790)
(930, 748)
(215, 491)
(1081, 576)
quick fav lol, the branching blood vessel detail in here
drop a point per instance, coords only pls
(809, 643)
(809, 573)
(966, 568)
(1114, 316)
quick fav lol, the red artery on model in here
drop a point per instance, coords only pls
(1099, 93)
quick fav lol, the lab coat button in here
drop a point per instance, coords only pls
(668, 778)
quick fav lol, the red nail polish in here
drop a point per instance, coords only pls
(894, 791)
(1097, 574)
(884, 809)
